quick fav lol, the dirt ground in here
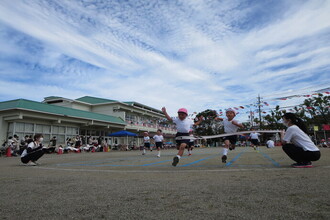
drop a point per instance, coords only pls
(126, 185)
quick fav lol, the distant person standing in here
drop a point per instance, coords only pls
(254, 137)
(297, 144)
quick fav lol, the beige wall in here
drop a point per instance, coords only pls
(81, 107)
(3, 130)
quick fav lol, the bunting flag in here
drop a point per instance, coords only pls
(264, 103)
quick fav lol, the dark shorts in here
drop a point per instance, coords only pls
(232, 139)
(159, 144)
(147, 145)
(255, 141)
(179, 142)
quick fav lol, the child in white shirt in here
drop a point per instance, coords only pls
(159, 139)
(230, 126)
(184, 125)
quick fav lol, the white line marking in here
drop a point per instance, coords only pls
(174, 170)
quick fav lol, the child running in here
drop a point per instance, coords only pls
(184, 125)
(254, 137)
(230, 126)
(146, 140)
(159, 139)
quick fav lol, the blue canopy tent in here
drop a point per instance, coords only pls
(123, 134)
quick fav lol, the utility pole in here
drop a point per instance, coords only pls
(259, 108)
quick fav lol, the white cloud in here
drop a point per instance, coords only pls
(194, 54)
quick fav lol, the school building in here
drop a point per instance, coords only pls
(85, 116)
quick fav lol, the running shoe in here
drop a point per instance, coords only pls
(36, 163)
(224, 159)
(302, 165)
(189, 154)
(30, 163)
(175, 161)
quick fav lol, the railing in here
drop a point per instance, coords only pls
(143, 126)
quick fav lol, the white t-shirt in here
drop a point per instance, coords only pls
(229, 127)
(254, 136)
(146, 139)
(158, 138)
(183, 126)
(31, 145)
(270, 143)
(299, 138)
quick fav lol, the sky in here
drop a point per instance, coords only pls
(197, 54)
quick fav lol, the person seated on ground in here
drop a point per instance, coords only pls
(104, 145)
(87, 147)
(323, 143)
(3, 148)
(12, 145)
(270, 143)
(23, 144)
(52, 142)
(34, 151)
(69, 148)
(77, 143)
(96, 144)
(297, 144)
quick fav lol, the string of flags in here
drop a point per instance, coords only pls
(263, 103)
(325, 91)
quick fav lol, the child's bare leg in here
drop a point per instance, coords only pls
(179, 155)
(181, 149)
(225, 151)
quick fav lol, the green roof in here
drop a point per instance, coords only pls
(59, 110)
(94, 100)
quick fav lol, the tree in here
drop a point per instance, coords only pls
(317, 109)
(313, 111)
(273, 120)
(209, 126)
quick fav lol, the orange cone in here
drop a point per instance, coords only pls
(60, 151)
(8, 152)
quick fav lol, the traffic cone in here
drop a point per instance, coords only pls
(60, 151)
(8, 152)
